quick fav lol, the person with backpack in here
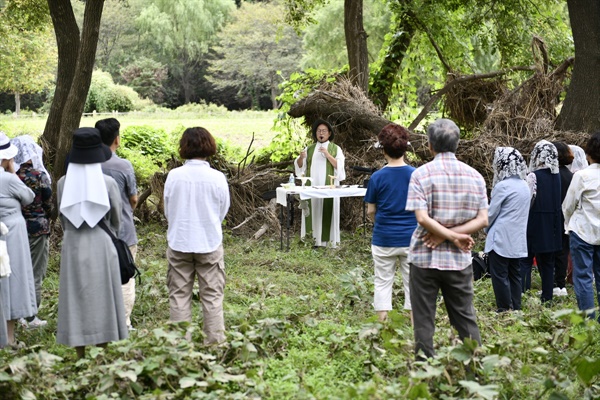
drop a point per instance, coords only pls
(90, 299)
(506, 241)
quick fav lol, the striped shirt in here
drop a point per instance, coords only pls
(452, 193)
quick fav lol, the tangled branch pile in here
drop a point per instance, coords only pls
(498, 116)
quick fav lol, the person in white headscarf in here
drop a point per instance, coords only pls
(90, 302)
(17, 291)
(544, 228)
(506, 241)
(579, 159)
(30, 169)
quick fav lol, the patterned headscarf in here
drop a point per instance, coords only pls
(29, 150)
(508, 162)
(579, 160)
(544, 155)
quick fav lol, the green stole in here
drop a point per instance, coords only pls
(327, 203)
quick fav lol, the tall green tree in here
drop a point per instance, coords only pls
(27, 60)
(324, 41)
(182, 31)
(257, 51)
(76, 56)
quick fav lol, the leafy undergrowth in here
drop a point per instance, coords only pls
(300, 326)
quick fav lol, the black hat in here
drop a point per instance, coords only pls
(88, 147)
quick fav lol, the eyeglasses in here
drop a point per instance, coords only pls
(322, 130)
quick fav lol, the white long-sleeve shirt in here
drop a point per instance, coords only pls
(581, 206)
(196, 202)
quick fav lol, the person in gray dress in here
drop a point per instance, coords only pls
(90, 302)
(18, 290)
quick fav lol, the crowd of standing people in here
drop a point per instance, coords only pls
(96, 198)
(544, 215)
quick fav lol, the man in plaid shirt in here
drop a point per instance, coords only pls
(450, 202)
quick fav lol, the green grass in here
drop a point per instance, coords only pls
(235, 127)
(300, 326)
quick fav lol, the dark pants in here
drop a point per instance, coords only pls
(457, 291)
(506, 281)
(562, 262)
(525, 264)
(545, 264)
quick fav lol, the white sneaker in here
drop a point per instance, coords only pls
(563, 292)
(36, 323)
(556, 291)
(23, 322)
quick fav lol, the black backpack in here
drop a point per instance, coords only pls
(126, 263)
(480, 265)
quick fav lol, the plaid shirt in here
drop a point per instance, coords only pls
(452, 193)
(37, 213)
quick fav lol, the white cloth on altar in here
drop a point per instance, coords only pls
(318, 178)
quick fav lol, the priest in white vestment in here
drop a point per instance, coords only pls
(318, 161)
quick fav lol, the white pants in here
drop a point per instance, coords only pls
(384, 260)
(129, 290)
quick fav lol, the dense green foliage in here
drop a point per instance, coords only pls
(256, 52)
(106, 96)
(27, 48)
(300, 325)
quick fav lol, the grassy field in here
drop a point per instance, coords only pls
(300, 326)
(234, 127)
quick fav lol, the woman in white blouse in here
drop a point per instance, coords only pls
(581, 209)
(196, 202)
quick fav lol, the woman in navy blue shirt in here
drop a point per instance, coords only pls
(394, 226)
(544, 229)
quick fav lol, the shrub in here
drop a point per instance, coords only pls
(106, 96)
(151, 142)
(202, 109)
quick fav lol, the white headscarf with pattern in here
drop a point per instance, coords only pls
(544, 155)
(29, 150)
(508, 162)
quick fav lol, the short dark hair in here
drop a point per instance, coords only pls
(394, 140)
(592, 147)
(565, 155)
(443, 136)
(197, 142)
(316, 124)
(109, 130)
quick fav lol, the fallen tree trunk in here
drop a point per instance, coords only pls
(348, 112)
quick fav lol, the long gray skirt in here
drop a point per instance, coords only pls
(90, 301)
(3, 332)
(18, 290)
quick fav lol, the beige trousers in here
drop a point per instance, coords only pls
(210, 270)
(129, 291)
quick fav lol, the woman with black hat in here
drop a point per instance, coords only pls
(90, 303)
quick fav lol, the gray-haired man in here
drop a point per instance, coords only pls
(450, 202)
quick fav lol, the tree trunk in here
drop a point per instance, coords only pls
(18, 103)
(356, 43)
(385, 75)
(581, 109)
(80, 86)
(274, 93)
(67, 40)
